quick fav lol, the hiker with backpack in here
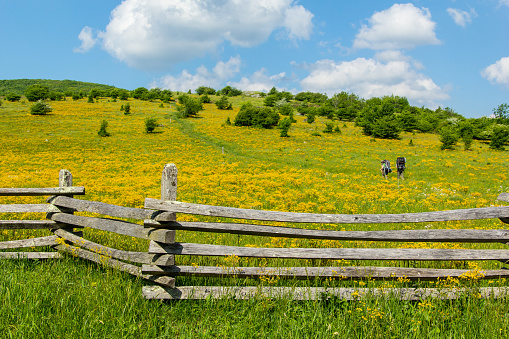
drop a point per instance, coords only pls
(400, 165)
(386, 168)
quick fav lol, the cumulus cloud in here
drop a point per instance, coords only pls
(401, 26)
(261, 81)
(203, 77)
(498, 73)
(375, 78)
(87, 40)
(461, 18)
(153, 34)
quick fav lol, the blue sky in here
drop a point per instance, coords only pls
(436, 53)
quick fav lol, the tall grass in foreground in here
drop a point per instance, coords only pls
(336, 173)
(74, 299)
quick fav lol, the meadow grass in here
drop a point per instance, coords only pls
(247, 168)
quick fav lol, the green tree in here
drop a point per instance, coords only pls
(40, 108)
(204, 99)
(284, 125)
(12, 97)
(223, 103)
(189, 106)
(36, 92)
(229, 91)
(466, 132)
(329, 127)
(150, 124)
(205, 90)
(102, 130)
(448, 137)
(250, 115)
(499, 138)
(126, 108)
(501, 113)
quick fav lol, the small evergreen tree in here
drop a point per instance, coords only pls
(499, 138)
(228, 121)
(90, 99)
(150, 125)
(102, 130)
(448, 137)
(329, 127)
(40, 108)
(126, 108)
(223, 103)
(284, 125)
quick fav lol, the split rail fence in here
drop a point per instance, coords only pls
(160, 224)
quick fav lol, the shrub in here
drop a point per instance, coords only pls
(256, 116)
(36, 92)
(126, 108)
(228, 121)
(448, 137)
(223, 103)
(285, 109)
(189, 106)
(499, 137)
(102, 130)
(40, 108)
(150, 125)
(310, 117)
(385, 128)
(205, 99)
(329, 127)
(12, 97)
(203, 90)
(284, 126)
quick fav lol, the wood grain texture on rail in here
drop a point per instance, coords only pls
(102, 208)
(25, 208)
(30, 255)
(74, 190)
(30, 224)
(250, 214)
(32, 242)
(116, 226)
(345, 272)
(428, 235)
(330, 253)
(319, 293)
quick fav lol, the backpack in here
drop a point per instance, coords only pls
(387, 166)
(400, 163)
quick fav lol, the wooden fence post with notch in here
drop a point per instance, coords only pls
(65, 180)
(168, 193)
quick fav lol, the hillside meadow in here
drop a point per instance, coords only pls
(221, 164)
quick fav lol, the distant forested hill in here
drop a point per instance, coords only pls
(18, 86)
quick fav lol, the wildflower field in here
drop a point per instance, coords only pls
(220, 164)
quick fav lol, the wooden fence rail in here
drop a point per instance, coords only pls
(158, 264)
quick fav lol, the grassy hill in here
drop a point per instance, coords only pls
(19, 86)
(220, 164)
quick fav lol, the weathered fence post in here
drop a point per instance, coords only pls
(65, 180)
(169, 193)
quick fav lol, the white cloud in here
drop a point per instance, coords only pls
(375, 78)
(203, 77)
(153, 34)
(503, 2)
(298, 22)
(401, 26)
(461, 18)
(87, 40)
(260, 81)
(498, 72)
